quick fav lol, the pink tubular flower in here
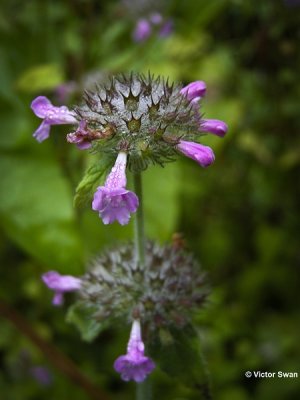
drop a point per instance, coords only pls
(60, 284)
(203, 155)
(51, 115)
(113, 201)
(194, 91)
(214, 126)
(134, 365)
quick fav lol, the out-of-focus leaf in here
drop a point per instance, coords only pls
(161, 190)
(254, 145)
(181, 357)
(36, 210)
(290, 158)
(39, 78)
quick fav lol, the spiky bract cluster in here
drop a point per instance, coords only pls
(163, 293)
(140, 115)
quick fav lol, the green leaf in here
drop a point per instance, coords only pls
(84, 319)
(89, 182)
(36, 210)
(40, 78)
(179, 355)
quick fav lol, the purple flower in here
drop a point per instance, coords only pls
(60, 284)
(166, 29)
(142, 30)
(156, 18)
(194, 91)
(82, 136)
(113, 201)
(41, 374)
(64, 91)
(203, 155)
(51, 115)
(134, 365)
(214, 126)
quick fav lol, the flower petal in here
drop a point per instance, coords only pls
(42, 133)
(41, 106)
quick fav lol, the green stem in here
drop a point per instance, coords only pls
(143, 390)
(139, 235)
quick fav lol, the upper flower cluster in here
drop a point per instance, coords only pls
(146, 119)
(149, 119)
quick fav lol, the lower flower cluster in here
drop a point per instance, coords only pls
(163, 294)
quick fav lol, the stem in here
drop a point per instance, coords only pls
(58, 359)
(139, 235)
(143, 390)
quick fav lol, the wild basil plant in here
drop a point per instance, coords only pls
(131, 122)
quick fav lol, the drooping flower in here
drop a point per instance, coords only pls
(113, 201)
(203, 155)
(214, 126)
(51, 115)
(194, 91)
(134, 365)
(60, 284)
(142, 30)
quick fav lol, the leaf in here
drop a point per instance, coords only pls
(179, 355)
(41, 77)
(89, 182)
(84, 320)
(36, 210)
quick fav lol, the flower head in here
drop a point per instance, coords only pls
(194, 91)
(164, 292)
(214, 126)
(113, 201)
(51, 115)
(203, 155)
(134, 365)
(60, 284)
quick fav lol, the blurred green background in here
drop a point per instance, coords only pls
(240, 216)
